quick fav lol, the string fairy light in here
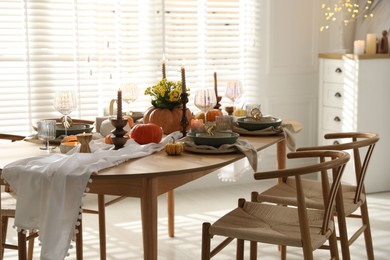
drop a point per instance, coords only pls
(346, 10)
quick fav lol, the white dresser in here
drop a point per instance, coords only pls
(354, 95)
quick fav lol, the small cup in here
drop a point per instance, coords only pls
(224, 123)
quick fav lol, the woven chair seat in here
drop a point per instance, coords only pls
(284, 193)
(270, 224)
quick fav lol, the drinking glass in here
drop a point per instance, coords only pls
(47, 132)
(234, 90)
(205, 99)
(129, 94)
(65, 102)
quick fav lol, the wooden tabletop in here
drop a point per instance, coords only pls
(156, 164)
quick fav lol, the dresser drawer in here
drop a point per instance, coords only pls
(333, 71)
(332, 119)
(333, 95)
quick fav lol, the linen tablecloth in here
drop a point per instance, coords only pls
(50, 189)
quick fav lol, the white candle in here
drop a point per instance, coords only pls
(359, 47)
(371, 43)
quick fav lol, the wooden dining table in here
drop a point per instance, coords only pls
(149, 177)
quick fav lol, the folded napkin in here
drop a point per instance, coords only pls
(288, 128)
(49, 189)
(241, 145)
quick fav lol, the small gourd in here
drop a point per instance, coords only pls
(174, 148)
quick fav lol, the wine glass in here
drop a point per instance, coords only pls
(46, 132)
(129, 94)
(65, 102)
(234, 90)
(205, 100)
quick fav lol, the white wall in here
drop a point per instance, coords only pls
(289, 74)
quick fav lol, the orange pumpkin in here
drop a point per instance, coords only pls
(212, 114)
(146, 133)
(168, 120)
(200, 115)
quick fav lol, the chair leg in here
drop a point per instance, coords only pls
(253, 250)
(30, 250)
(79, 240)
(342, 223)
(22, 245)
(240, 249)
(334, 252)
(367, 231)
(206, 243)
(4, 226)
(283, 252)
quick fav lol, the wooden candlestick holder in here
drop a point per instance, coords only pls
(84, 140)
(218, 105)
(184, 120)
(118, 139)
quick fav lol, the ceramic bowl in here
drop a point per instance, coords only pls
(74, 129)
(215, 140)
(251, 124)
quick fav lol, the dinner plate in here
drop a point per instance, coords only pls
(216, 140)
(252, 124)
(74, 129)
(264, 132)
(195, 149)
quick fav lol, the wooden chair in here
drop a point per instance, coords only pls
(351, 199)
(280, 225)
(7, 211)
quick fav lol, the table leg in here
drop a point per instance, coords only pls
(102, 225)
(149, 218)
(281, 155)
(171, 213)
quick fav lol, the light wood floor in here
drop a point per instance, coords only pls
(193, 207)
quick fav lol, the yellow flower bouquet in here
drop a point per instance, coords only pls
(165, 94)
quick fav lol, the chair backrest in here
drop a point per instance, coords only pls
(328, 160)
(361, 143)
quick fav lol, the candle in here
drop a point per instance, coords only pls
(119, 104)
(358, 47)
(197, 125)
(183, 80)
(215, 83)
(371, 43)
(164, 75)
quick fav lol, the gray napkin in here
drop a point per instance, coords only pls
(242, 145)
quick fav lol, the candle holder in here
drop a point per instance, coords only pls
(118, 139)
(84, 140)
(184, 119)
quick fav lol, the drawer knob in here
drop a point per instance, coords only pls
(336, 142)
(337, 119)
(338, 70)
(338, 95)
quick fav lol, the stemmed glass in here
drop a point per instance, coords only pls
(234, 90)
(129, 94)
(205, 100)
(65, 102)
(46, 132)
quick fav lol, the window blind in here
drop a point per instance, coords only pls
(95, 46)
